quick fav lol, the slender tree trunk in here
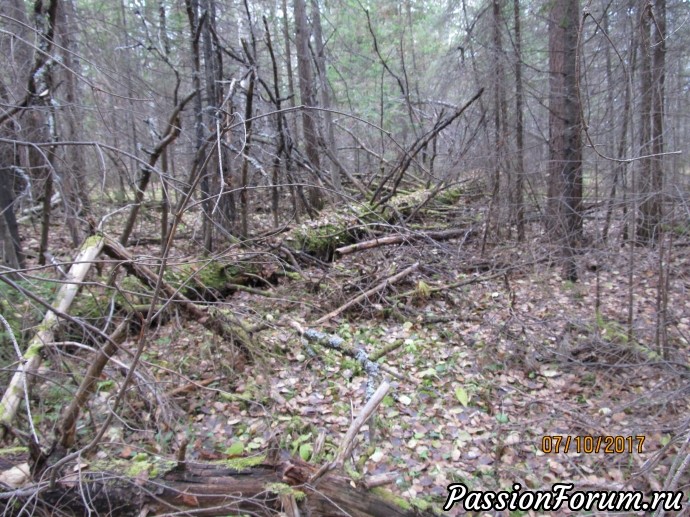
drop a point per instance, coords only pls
(165, 200)
(324, 90)
(645, 227)
(282, 158)
(244, 194)
(519, 129)
(45, 217)
(292, 101)
(621, 168)
(45, 19)
(11, 255)
(127, 64)
(213, 74)
(296, 190)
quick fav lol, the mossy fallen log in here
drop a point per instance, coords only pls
(263, 487)
(222, 323)
(335, 230)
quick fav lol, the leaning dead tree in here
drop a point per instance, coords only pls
(223, 324)
(31, 359)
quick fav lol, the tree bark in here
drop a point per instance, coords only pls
(500, 116)
(653, 19)
(32, 356)
(267, 489)
(13, 86)
(306, 87)
(75, 185)
(564, 206)
(519, 129)
(324, 91)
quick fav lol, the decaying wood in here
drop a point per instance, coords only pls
(266, 489)
(32, 357)
(438, 235)
(192, 386)
(35, 210)
(224, 325)
(368, 293)
(379, 480)
(331, 233)
(348, 443)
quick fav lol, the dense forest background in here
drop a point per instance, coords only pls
(225, 224)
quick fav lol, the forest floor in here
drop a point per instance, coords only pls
(488, 375)
(493, 357)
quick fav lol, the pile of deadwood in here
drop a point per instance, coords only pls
(56, 478)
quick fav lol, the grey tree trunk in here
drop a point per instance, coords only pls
(306, 87)
(519, 129)
(13, 82)
(324, 91)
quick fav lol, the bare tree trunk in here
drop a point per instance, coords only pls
(564, 215)
(282, 157)
(171, 133)
(324, 89)
(288, 61)
(130, 89)
(165, 200)
(620, 168)
(306, 86)
(76, 194)
(651, 209)
(500, 115)
(10, 247)
(244, 194)
(41, 82)
(296, 190)
(45, 217)
(213, 75)
(13, 83)
(645, 227)
(519, 129)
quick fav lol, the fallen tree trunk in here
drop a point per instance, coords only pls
(269, 488)
(35, 210)
(437, 235)
(224, 325)
(31, 359)
(331, 234)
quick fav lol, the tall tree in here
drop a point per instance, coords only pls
(324, 91)
(653, 55)
(564, 217)
(519, 129)
(13, 21)
(74, 186)
(306, 88)
(213, 68)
